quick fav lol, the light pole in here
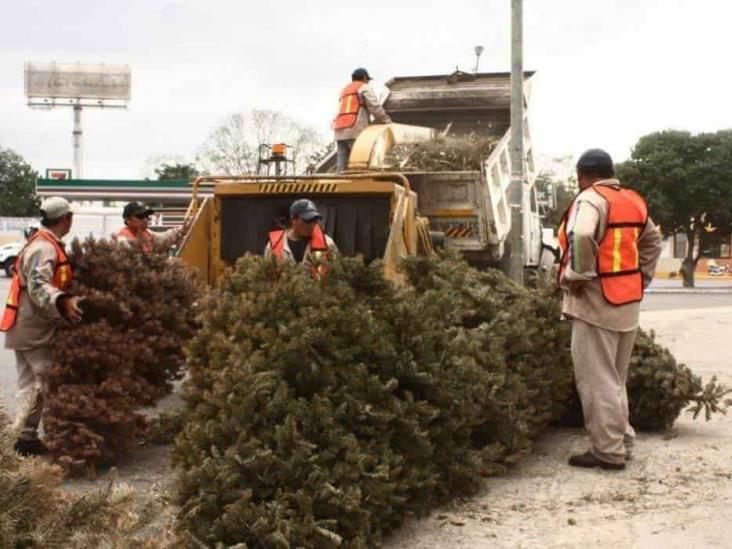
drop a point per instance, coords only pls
(478, 51)
(515, 189)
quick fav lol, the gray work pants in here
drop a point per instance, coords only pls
(601, 358)
(344, 147)
(33, 367)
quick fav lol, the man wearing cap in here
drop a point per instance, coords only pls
(137, 217)
(304, 242)
(38, 301)
(610, 248)
(358, 103)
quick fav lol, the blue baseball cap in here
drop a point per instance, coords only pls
(305, 209)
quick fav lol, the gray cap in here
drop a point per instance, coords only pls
(304, 209)
(55, 207)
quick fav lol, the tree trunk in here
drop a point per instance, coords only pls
(688, 266)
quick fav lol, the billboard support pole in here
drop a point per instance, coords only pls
(51, 85)
(78, 151)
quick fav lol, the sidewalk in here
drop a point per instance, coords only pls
(675, 494)
(706, 285)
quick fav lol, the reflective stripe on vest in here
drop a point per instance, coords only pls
(349, 107)
(62, 277)
(618, 261)
(318, 249)
(145, 239)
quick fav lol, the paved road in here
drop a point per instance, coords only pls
(653, 302)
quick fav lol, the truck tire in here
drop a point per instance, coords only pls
(438, 239)
(548, 258)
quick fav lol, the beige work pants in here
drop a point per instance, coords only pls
(601, 358)
(33, 367)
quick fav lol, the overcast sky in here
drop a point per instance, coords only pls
(607, 71)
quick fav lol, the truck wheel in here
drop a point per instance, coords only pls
(438, 239)
(548, 259)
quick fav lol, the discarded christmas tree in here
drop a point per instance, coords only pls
(138, 315)
(35, 511)
(659, 388)
(321, 413)
(445, 153)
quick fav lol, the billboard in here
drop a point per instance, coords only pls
(74, 81)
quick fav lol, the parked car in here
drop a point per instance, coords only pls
(8, 255)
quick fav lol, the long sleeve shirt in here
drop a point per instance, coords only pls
(159, 241)
(38, 315)
(370, 106)
(583, 298)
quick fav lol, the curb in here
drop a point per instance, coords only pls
(694, 291)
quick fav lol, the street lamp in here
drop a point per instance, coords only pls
(478, 51)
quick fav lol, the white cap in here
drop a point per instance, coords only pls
(55, 208)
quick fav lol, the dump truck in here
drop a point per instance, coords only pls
(470, 207)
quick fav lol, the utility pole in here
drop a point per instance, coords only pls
(516, 188)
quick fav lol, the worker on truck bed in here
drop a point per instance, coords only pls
(304, 242)
(610, 248)
(137, 218)
(358, 103)
(38, 301)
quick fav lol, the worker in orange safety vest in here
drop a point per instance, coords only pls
(38, 301)
(357, 104)
(137, 219)
(304, 242)
(610, 248)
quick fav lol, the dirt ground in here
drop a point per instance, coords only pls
(675, 493)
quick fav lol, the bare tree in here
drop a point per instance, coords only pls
(232, 148)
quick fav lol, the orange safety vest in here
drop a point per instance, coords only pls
(618, 262)
(350, 105)
(318, 245)
(145, 239)
(62, 276)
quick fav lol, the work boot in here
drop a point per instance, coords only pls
(589, 460)
(30, 447)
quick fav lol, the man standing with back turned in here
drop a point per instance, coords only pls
(610, 248)
(358, 103)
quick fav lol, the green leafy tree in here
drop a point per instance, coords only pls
(687, 181)
(176, 171)
(17, 186)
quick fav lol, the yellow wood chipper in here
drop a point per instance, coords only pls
(366, 211)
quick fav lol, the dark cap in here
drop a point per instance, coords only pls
(304, 209)
(136, 209)
(360, 74)
(596, 162)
